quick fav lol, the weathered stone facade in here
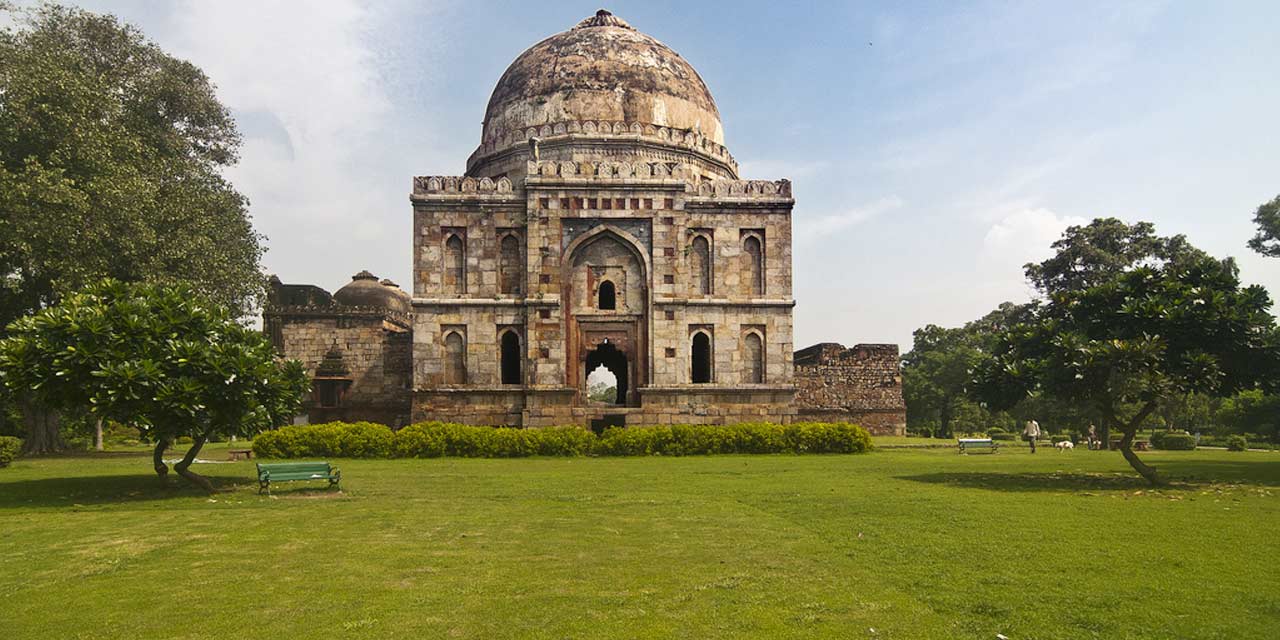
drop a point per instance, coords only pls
(862, 385)
(374, 343)
(600, 222)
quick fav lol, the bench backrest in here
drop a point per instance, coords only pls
(975, 442)
(280, 468)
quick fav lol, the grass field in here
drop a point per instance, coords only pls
(892, 544)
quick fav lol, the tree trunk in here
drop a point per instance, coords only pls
(97, 434)
(1126, 447)
(42, 431)
(1106, 434)
(157, 459)
(183, 466)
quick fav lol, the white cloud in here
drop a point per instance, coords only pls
(829, 224)
(1018, 238)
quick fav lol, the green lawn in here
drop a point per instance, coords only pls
(910, 543)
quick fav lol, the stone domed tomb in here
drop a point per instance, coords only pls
(601, 226)
(600, 262)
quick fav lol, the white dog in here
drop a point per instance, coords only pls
(1065, 445)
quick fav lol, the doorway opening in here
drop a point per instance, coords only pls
(605, 362)
(701, 353)
(511, 358)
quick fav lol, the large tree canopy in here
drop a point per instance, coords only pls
(1267, 240)
(1089, 255)
(161, 358)
(1126, 338)
(111, 154)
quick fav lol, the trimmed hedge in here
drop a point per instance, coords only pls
(9, 448)
(436, 439)
(1004, 436)
(1173, 441)
(1237, 443)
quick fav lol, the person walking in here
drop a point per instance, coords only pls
(1031, 432)
(1093, 438)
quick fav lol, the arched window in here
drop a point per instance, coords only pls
(509, 265)
(511, 358)
(455, 260)
(753, 359)
(608, 296)
(700, 266)
(755, 265)
(701, 365)
(455, 359)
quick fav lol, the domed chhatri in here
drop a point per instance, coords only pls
(364, 290)
(603, 72)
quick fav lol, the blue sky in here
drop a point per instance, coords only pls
(934, 147)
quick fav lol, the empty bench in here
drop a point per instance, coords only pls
(978, 444)
(292, 471)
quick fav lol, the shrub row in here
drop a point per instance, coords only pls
(1173, 441)
(1237, 443)
(435, 439)
(9, 448)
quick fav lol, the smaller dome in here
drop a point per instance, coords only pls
(364, 290)
(386, 282)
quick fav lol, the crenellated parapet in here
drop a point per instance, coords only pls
(610, 170)
(423, 185)
(313, 311)
(500, 140)
(745, 189)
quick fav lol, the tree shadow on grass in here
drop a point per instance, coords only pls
(101, 490)
(1182, 474)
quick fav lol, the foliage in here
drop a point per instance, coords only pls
(1175, 441)
(1091, 255)
(1267, 240)
(1059, 438)
(1237, 442)
(112, 155)
(436, 439)
(1179, 322)
(1252, 411)
(1005, 437)
(937, 370)
(161, 358)
(9, 449)
(1157, 438)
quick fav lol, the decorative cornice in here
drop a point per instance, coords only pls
(404, 320)
(500, 140)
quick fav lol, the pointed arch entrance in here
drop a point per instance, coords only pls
(606, 265)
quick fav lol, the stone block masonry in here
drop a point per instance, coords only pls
(861, 384)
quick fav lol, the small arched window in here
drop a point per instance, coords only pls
(608, 296)
(700, 266)
(455, 359)
(510, 268)
(511, 358)
(753, 359)
(754, 252)
(700, 367)
(455, 260)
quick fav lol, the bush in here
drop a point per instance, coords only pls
(333, 439)
(1173, 441)
(1059, 438)
(1237, 443)
(9, 448)
(435, 439)
(1004, 436)
(1157, 439)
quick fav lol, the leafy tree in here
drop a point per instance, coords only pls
(111, 153)
(1122, 343)
(1092, 254)
(162, 358)
(1267, 240)
(937, 370)
(111, 159)
(1252, 411)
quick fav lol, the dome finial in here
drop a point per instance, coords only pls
(604, 18)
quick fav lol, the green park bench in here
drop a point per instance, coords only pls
(978, 444)
(290, 471)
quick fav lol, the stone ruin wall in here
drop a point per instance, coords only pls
(377, 352)
(861, 384)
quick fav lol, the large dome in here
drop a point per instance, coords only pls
(601, 70)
